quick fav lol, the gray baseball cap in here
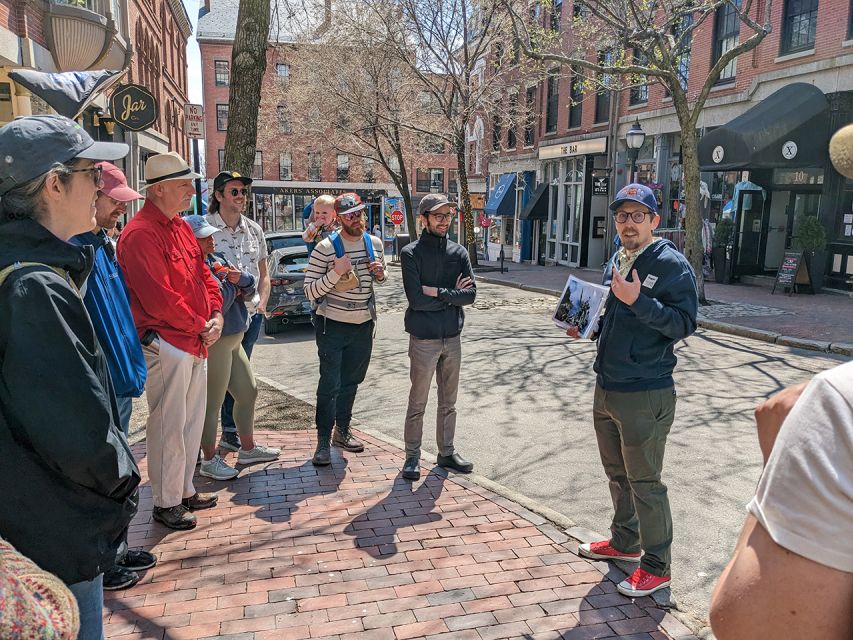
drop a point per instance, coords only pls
(30, 146)
(432, 202)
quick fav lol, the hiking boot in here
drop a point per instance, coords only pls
(229, 441)
(116, 578)
(344, 439)
(642, 583)
(217, 469)
(322, 455)
(603, 550)
(260, 453)
(456, 462)
(200, 501)
(137, 560)
(176, 517)
(412, 468)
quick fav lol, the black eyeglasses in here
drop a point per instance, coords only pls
(242, 192)
(637, 216)
(95, 171)
(441, 217)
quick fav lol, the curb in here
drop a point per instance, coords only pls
(561, 529)
(772, 337)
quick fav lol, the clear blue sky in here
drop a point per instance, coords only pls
(193, 56)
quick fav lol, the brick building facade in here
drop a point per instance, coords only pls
(569, 147)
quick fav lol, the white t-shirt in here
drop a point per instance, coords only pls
(804, 499)
(244, 247)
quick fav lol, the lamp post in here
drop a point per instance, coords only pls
(634, 139)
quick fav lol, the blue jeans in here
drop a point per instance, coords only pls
(249, 339)
(344, 350)
(90, 601)
(125, 407)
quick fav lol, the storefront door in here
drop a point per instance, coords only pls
(570, 250)
(751, 229)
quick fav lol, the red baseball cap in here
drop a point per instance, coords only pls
(115, 184)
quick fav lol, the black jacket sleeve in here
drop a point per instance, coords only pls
(461, 297)
(418, 300)
(51, 352)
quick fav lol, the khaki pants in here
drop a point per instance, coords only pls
(176, 391)
(631, 428)
(442, 357)
(228, 369)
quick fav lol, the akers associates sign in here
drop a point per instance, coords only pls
(134, 107)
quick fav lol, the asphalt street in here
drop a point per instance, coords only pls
(524, 410)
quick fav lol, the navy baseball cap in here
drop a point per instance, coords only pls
(30, 146)
(635, 192)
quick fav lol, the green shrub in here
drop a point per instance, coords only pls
(724, 232)
(809, 234)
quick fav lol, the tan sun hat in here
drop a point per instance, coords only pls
(167, 166)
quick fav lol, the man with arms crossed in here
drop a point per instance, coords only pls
(177, 308)
(652, 305)
(438, 281)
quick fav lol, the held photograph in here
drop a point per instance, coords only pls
(580, 305)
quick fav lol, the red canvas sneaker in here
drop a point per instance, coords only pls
(642, 583)
(603, 550)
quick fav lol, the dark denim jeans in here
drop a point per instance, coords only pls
(344, 350)
(249, 339)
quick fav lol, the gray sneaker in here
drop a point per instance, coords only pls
(259, 454)
(217, 469)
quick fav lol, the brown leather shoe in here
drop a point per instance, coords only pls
(200, 501)
(176, 517)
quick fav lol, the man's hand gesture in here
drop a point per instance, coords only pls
(463, 282)
(343, 265)
(626, 291)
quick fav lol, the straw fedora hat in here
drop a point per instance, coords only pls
(167, 166)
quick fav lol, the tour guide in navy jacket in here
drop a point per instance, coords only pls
(651, 306)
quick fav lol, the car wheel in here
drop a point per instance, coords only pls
(272, 326)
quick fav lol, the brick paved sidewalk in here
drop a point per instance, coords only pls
(354, 552)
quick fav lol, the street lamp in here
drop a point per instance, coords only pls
(634, 139)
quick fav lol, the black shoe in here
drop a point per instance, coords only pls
(176, 517)
(229, 441)
(200, 501)
(344, 439)
(455, 462)
(116, 578)
(412, 468)
(137, 560)
(322, 455)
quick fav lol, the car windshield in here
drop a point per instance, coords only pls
(285, 242)
(294, 263)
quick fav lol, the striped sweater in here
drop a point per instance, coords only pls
(356, 305)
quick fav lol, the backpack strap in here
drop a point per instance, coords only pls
(4, 273)
(337, 243)
(368, 246)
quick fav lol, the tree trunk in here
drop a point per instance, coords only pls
(693, 247)
(465, 198)
(248, 64)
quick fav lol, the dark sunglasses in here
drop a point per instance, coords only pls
(351, 216)
(244, 191)
(95, 171)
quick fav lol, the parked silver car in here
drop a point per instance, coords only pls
(287, 303)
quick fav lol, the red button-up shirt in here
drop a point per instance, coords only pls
(171, 289)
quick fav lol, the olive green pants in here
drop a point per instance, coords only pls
(631, 428)
(228, 369)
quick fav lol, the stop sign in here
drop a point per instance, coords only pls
(397, 216)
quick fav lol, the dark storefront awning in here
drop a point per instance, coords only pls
(500, 202)
(537, 206)
(761, 137)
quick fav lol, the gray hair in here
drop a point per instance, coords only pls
(24, 201)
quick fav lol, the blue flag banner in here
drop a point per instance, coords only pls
(67, 93)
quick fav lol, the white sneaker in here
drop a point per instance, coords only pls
(259, 454)
(217, 469)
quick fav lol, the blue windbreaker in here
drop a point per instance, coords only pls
(107, 302)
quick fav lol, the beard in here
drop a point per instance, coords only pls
(355, 228)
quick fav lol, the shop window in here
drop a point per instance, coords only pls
(575, 100)
(726, 32)
(342, 172)
(529, 116)
(422, 181)
(639, 94)
(220, 73)
(222, 117)
(553, 102)
(314, 166)
(799, 25)
(285, 166)
(258, 167)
